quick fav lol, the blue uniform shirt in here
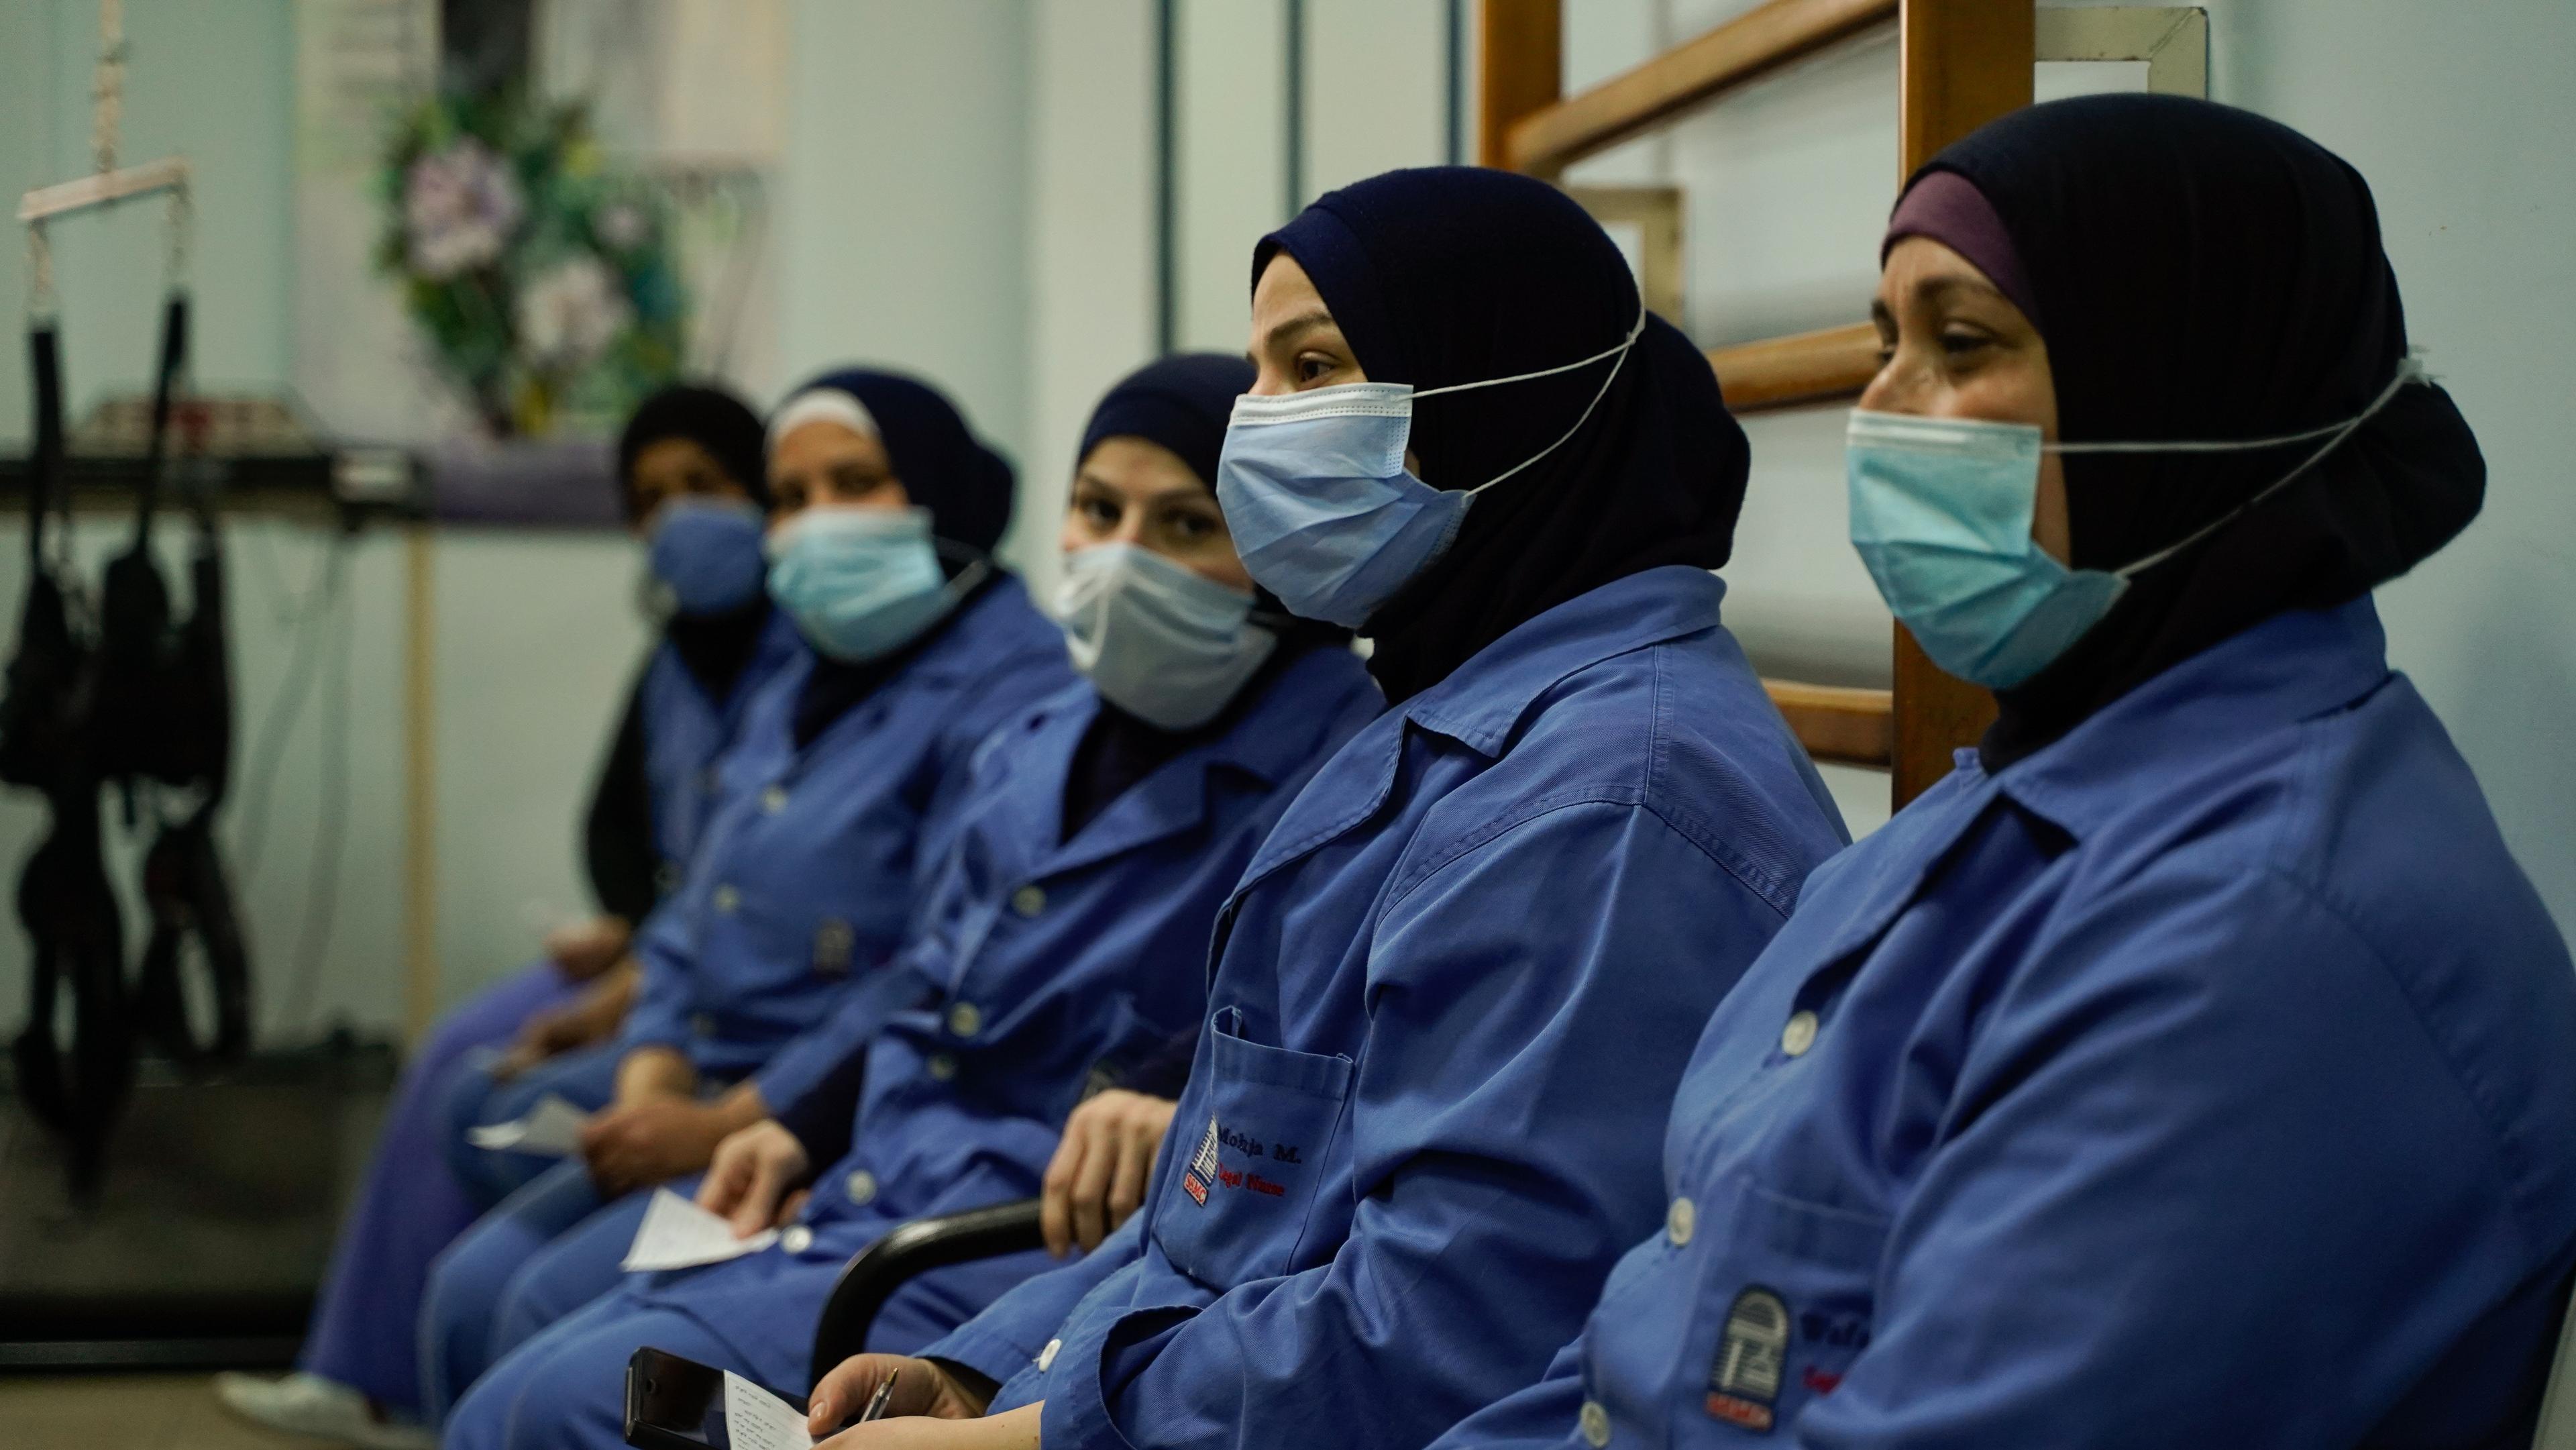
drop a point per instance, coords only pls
(1049, 966)
(1451, 998)
(806, 878)
(2206, 1078)
(686, 730)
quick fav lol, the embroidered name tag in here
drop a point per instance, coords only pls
(833, 942)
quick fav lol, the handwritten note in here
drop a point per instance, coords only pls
(552, 1129)
(755, 1419)
(677, 1234)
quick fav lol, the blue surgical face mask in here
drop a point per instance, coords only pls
(1941, 514)
(706, 552)
(1156, 640)
(1320, 504)
(861, 582)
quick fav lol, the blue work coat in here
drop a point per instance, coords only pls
(1048, 967)
(801, 890)
(686, 729)
(1450, 1001)
(2205, 1078)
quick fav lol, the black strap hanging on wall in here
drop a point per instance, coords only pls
(76, 962)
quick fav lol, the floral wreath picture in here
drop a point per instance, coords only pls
(543, 279)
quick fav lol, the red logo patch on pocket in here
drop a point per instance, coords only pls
(1201, 1172)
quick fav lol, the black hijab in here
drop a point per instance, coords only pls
(713, 647)
(966, 486)
(1181, 402)
(2202, 273)
(1455, 274)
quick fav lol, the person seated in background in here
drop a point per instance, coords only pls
(692, 484)
(2193, 1066)
(830, 811)
(1458, 984)
(1061, 947)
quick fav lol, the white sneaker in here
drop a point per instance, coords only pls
(307, 1404)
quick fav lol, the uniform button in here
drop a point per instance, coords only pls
(774, 799)
(1028, 900)
(1679, 1223)
(1595, 1422)
(1799, 1035)
(942, 1067)
(702, 1024)
(1046, 1356)
(861, 1186)
(726, 899)
(965, 1019)
(797, 1239)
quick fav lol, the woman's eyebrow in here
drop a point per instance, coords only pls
(1281, 333)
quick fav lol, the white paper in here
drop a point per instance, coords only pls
(552, 1129)
(755, 1419)
(677, 1234)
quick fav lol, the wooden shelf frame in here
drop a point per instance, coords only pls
(1960, 63)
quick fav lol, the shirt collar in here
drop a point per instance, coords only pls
(1483, 700)
(2288, 668)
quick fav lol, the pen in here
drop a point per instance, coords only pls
(877, 1401)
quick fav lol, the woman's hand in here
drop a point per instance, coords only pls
(1101, 1166)
(1010, 1430)
(747, 1182)
(585, 949)
(921, 1387)
(594, 1016)
(638, 1143)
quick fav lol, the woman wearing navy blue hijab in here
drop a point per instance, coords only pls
(830, 809)
(2194, 1065)
(1058, 947)
(1455, 988)
(690, 482)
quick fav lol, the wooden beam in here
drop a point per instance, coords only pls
(106, 187)
(1752, 45)
(1960, 64)
(420, 782)
(1854, 727)
(1787, 372)
(1520, 46)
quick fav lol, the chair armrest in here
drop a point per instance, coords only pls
(910, 1251)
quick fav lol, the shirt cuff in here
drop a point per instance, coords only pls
(996, 1356)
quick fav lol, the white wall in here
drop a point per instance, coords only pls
(2454, 113)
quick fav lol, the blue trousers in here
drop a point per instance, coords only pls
(565, 1386)
(411, 1204)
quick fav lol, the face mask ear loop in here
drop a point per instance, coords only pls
(1620, 352)
(2409, 370)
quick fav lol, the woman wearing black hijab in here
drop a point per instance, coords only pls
(1459, 981)
(2193, 1066)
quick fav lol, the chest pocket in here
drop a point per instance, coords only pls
(1786, 1298)
(1243, 1197)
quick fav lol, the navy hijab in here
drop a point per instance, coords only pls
(966, 486)
(714, 648)
(712, 418)
(2201, 273)
(1454, 274)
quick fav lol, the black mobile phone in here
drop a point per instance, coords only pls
(677, 1404)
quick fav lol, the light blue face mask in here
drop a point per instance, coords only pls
(706, 552)
(1941, 514)
(1320, 504)
(862, 583)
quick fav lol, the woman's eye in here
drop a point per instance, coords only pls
(1191, 526)
(1099, 515)
(1958, 341)
(1311, 367)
